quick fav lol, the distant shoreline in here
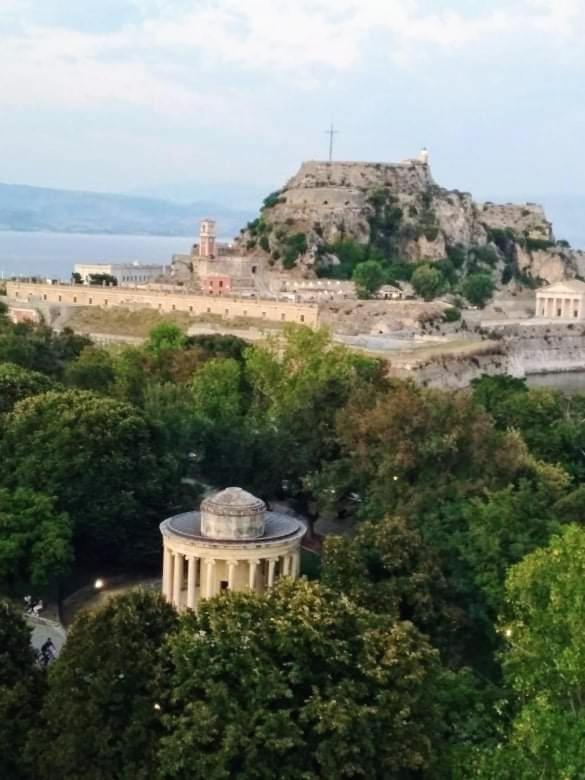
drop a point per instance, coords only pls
(89, 232)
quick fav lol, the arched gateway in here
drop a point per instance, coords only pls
(233, 542)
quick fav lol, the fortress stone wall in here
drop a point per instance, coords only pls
(164, 302)
(527, 218)
(410, 175)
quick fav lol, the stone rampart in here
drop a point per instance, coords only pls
(528, 219)
(410, 175)
(164, 302)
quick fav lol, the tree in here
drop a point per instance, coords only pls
(101, 716)
(163, 337)
(297, 389)
(387, 567)
(219, 407)
(103, 280)
(92, 370)
(409, 448)
(98, 457)
(219, 345)
(507, 524)
(551, 423)
(38, 348)
(428, 282)
(35, 539)
(17, 383)
(296, 683)
(478, 288)
(368, 278)
(21, 691)
(544, 664)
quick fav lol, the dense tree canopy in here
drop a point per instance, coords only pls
(17, 383)
(21, 691)
(35, 539)
(100, 718)
(544, 664)
(392, 666)
(97, 457)
(296, 684)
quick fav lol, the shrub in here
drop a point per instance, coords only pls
(427, 282)
(368, 278)
(272, 200)
(538, 244)
(452, 315)
(478, 288)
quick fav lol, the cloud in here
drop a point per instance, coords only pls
(177, 56)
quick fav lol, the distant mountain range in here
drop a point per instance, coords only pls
(26, 208)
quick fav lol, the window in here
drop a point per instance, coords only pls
(59, 299)
(283, 316)
(190, 308)
(264, 314)
(221, 282)
(226, 312)
(174, 307)
(223, 585)
(91, 301)
(75, 299)
(106, 302)
(208, 310)
(559, 312)
(302, 318)
(45, 297)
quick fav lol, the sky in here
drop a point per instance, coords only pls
(223, 99)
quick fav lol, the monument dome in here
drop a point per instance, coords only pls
(233, 514)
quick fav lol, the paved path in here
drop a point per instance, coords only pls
(43, 629)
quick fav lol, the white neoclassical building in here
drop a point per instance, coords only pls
(233, 542)
(561, 301)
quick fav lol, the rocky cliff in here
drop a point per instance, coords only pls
(397, 213)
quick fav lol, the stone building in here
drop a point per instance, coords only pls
(232, 543)
(215, 268)
(124, 273)
(561, 301)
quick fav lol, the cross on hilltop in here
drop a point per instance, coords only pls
(332, 132)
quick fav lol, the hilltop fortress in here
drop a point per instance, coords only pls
(395, 210)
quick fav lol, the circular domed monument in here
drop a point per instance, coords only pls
(233, 543)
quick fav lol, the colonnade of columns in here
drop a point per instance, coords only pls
(202, 581)
(560, 308)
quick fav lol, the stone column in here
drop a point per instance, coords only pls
(252, 575)
(297, 564)
(286, 565)
(178, 579)
(167, 584)
(232, 566)
(209, 581)
(191, 582)
(271, 567)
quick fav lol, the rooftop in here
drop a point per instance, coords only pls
(570, 285)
